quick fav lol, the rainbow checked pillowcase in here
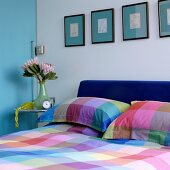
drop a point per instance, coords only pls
(144, 120)
(96, 113)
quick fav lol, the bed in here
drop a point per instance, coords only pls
(67, 146)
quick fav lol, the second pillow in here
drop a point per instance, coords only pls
(97, 113)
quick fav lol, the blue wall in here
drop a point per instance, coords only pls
(17, 30)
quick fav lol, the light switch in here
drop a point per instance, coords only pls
(39, 50)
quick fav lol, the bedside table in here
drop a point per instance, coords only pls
(33, 110)
(38, 112)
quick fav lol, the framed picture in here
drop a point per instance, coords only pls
(135, 21)
(102, 26)
(74, 30)
(164, 18)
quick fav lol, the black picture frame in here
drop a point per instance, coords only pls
(164, 25)
(105, 17)
(74, 30)
(135, 25)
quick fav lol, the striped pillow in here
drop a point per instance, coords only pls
(97, 113)
(144, 120)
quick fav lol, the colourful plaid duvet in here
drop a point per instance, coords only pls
(55, 148)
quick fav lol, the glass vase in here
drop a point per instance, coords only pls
(38, 102)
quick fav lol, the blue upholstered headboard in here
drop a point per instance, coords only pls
(125, 91)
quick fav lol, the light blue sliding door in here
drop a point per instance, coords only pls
(17, 30)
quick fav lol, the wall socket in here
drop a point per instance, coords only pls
(39, 50)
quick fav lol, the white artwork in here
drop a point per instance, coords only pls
(168, 16)
(135, 21)
(102, 25)
(74, 31)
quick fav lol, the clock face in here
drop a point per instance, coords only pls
(46, 104)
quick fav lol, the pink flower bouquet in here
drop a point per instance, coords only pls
(41, 71)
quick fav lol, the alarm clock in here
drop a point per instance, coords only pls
(46, 104)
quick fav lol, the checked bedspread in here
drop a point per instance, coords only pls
(55, 148)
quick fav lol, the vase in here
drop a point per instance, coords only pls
(38, 102)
